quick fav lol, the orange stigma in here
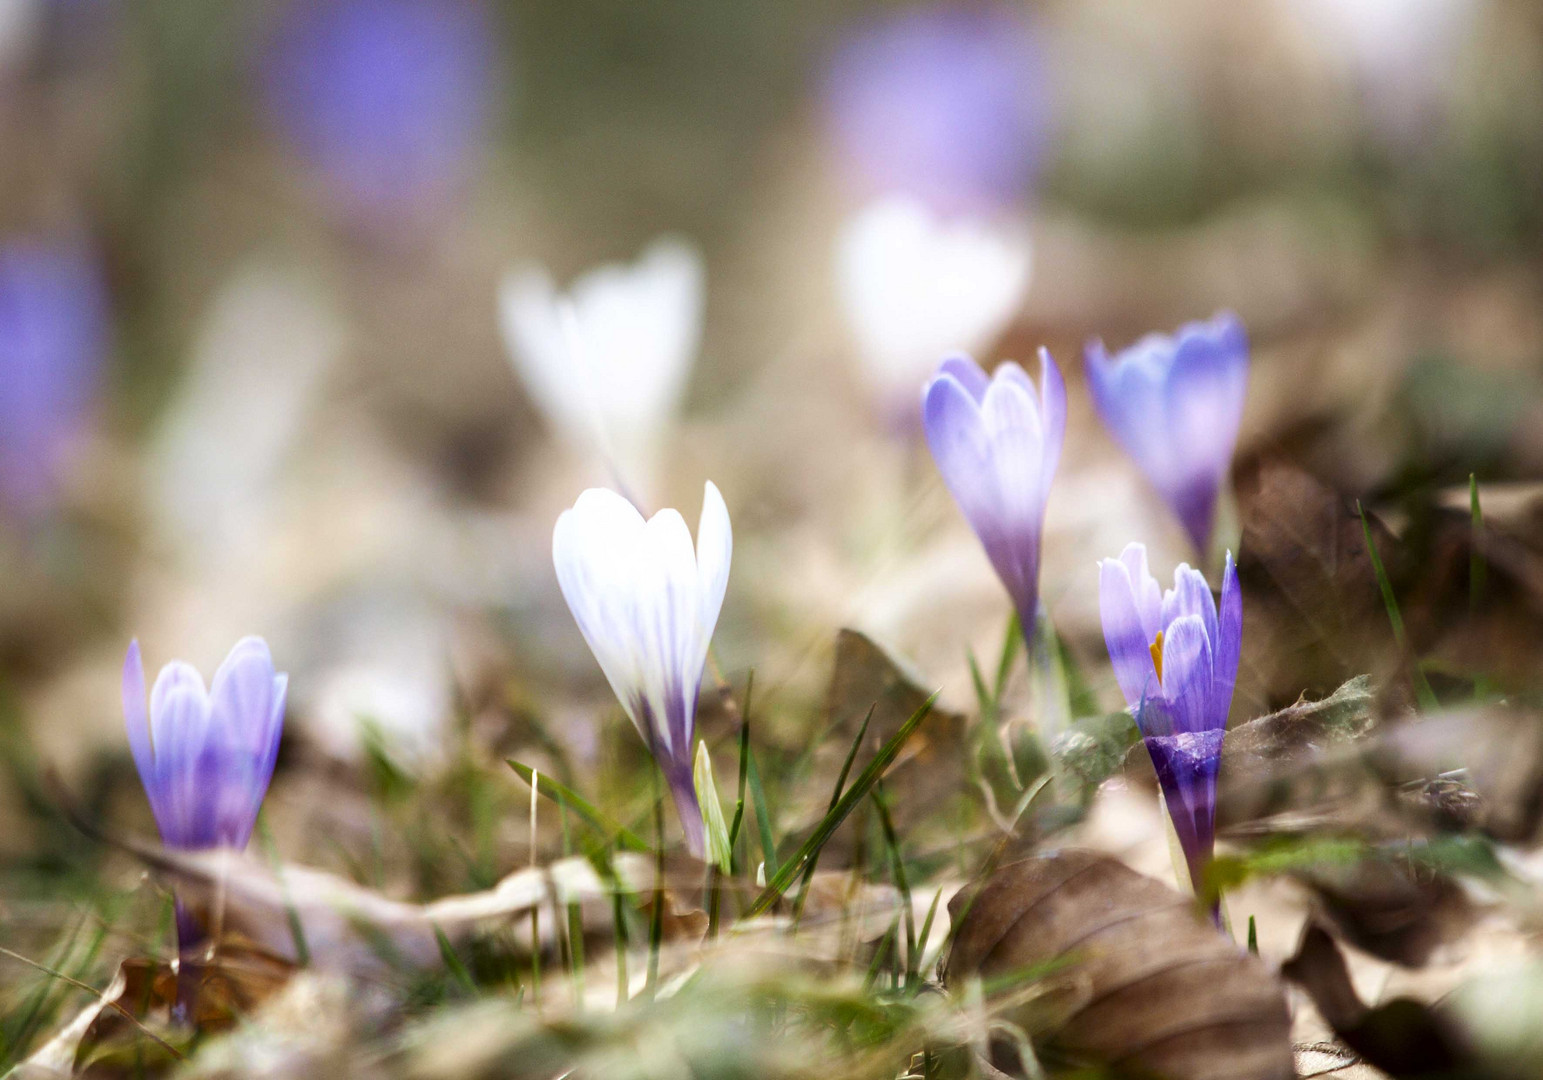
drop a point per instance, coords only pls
(1156, 649)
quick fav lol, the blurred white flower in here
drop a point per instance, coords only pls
(915, 287)
(607, 361)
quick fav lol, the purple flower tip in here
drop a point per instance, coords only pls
(1175, 655)
(53, 342)
(948, 103)
(997, 442)
(1175, 404)
(205, 757)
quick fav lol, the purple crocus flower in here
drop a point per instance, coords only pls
(1176, 659)
(205, 757)
(997, 445)
(647, 603)
(388, 99)
(53, 341)
(1174, 404)
(947, 103)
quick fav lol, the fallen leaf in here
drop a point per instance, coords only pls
(1148, 987)
(1402, 1037)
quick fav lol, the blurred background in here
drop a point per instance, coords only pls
(263, 368)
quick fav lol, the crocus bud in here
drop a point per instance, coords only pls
(1175, 656)
(1174, 404)
(997, 442)
(647, 603)
(205, 758)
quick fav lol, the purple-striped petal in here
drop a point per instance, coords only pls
(1129, 647)
(1228, 642)
(1186, 674)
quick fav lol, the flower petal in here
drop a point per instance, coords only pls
(1187, 675)
(970, 374)
(181, 793)
(174, 678)
(715, 550)
(595, 554)
(136, 717)
(241, 695)
(1053, 409)
(668, 627)
(1147, 593)
(1129, 646)
(1190, 595)
(1228, 640)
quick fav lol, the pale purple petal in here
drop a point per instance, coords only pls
(177, 677)
(1229, 641)
(971, 375)
(1186, 675)
(241, 695)
(181, 792)
(1148, 595)
(1129, 647)
(1190, 595)
(1053, 394)
(136, 717)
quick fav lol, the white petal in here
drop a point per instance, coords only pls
(715, 549)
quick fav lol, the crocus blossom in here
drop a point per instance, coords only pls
(205, 757)
(53, 343)
(946, 102)
(997, 442)
(1175, 404)
(647, 603)
(1175, 656)
(915, 286)
(388, 99)
(607, 360)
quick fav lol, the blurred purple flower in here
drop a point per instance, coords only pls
(205, 757)
(1175, 404)
(389, 99)
(997, 445)
(53, 342)
(946, 102)
(1176, 659)
(647, 603)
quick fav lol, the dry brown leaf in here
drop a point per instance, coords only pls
(1403, 1037)
(1313, 613)
(1154, 988)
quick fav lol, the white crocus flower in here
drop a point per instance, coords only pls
(915, 287)
(647, 602)
(607, 360)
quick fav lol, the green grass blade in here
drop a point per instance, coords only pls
(1421, 687)
(453, 962)
(1012, 642)
(897, 870)
(566, 796)
(835, 797)
(777, 884)
(913, 978)
(762, 816)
